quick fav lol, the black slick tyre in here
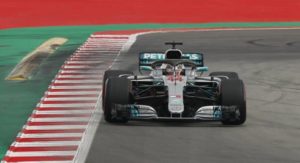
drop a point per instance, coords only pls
(109, 74)
(233, 94)
(117, 92)
(230, 75)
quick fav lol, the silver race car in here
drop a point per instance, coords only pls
(174, 89)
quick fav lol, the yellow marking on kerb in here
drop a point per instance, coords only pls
(33, 60)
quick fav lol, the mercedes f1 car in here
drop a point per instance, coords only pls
(174, 89)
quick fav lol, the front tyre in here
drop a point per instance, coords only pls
(233, 94)
(117, 92)
(109, 74)
(225, 74)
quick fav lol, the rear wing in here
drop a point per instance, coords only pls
(146, 59)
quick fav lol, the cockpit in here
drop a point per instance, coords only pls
(173, 61)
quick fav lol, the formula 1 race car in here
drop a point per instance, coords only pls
(174, 89)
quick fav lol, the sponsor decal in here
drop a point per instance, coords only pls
(176, 101)
(177, 78)
(161, 56)
(193, 56)
(176, 96)
(154, 56)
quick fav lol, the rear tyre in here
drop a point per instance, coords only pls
(109, 74)
(230, 75)
(233, 94)
(118, 92)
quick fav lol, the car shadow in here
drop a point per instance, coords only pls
(170, 124)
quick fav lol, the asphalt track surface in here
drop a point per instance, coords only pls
(268, 62)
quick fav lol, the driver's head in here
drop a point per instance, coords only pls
(169, 69)
(180, 67)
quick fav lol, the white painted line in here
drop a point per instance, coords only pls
(58, 89)
(81, 71)
(98, 49)
(89, 54)
(105, 40)
(77, 81)
(41, 162)
(64, 112)
(56, 123)
(85, 59)
(90, 67)
(101, 46)
(107, 36)
(68, 105)
(102, 43)
(70, 99)
(22, 135)
(98, 44)
(89, 133)
(41, 153)
(41, 144)
(83, 62)
(79, 76)
(63, 119)
(92, 47)
(126, 47)
(77, 87)
(55, 127)
(113, 50)
(72, 93)
(98, 53)
(79, 58)
(103, 56)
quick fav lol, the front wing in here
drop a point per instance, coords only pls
(205, 113)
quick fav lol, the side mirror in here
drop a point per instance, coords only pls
(202, 69)
(145, 69)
